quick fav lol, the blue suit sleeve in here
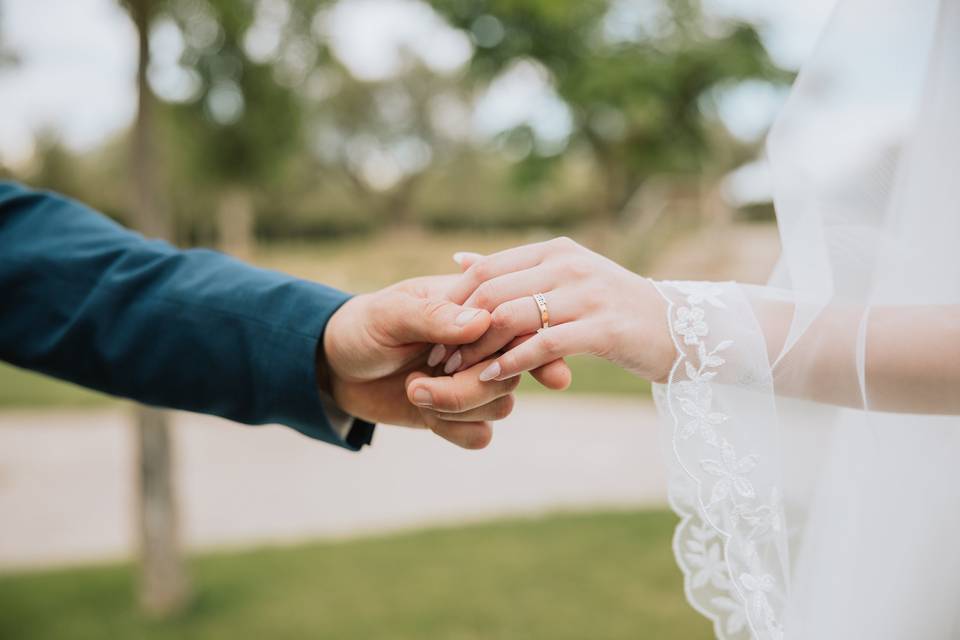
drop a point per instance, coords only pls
(87, 301)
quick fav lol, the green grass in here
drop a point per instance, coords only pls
(576, 577)
(593, 375)
(25, 389)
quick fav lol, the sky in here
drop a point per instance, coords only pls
(76, 75)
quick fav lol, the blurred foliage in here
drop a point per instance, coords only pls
(482, 186)
(8, 57)
(384, 125)
(636, 89)
(319, 152)
(562, 577)
(240, 123)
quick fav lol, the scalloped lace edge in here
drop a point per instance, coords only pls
(704, 546)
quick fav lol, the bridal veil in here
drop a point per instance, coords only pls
(818, 477)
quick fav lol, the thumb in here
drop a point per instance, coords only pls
(433, 320)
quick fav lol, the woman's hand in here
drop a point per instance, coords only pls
(595, 306)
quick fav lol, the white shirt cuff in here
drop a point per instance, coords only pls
(340, 422)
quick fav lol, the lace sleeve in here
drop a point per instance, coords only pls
(731, 541)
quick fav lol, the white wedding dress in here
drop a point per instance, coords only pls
(811, 424)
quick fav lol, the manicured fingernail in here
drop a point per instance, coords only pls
(466, 316)
(436, 355)
(490, 372)
(453, 363)
(422, 397)
(459, 257)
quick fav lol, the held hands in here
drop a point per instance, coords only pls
(595, 307)
(374, 363)
(385, 354)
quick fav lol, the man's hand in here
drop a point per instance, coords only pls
(374, 362)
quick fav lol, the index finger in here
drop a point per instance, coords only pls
(553, 375)
(542, 348)
(458, 393)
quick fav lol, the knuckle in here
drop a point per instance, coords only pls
(594, 300)
(451, 403)
(564, 243)
(591, 304)
(550, 343)
(484, 295)
(503, 317)
(479, 271)
(508, 362)
(578, 269)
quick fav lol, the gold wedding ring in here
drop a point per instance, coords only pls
(544, 312)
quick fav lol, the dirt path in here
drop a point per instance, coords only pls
(65, 477)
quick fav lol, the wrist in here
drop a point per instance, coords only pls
(331, 352)
(664, 348)
(329, 383)
(340, 345)
(657, 341)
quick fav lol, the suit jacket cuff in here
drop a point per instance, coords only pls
(353, 431)
(288, 368)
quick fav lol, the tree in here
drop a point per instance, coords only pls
(244, 120)
(164, 587)
(636, 87)
(380, 138)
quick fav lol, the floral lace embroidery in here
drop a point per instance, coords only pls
(730, 525)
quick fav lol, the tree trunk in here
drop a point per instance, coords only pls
(164, 587)
(235, 222)
(614, 192)
(399, 202)
(646, 207)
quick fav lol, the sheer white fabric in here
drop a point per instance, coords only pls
(812, 424)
